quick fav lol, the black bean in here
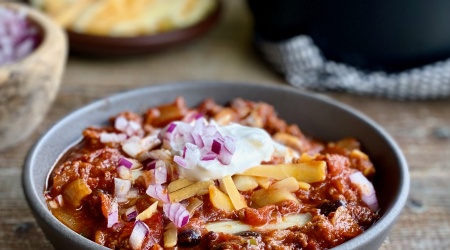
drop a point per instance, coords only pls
(330, 206)
(248, 234)
(189, 238)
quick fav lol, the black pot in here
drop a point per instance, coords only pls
(389, 35)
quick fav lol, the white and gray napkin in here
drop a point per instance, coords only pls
(303, 65)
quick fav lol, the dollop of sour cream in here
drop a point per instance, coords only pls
(253, 146)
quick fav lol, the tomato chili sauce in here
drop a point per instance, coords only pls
(124, 186)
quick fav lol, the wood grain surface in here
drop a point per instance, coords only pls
(422, 129)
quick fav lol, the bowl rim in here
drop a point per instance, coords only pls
(382, 224)
(49, 31)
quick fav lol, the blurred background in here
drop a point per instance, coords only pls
(385, 35)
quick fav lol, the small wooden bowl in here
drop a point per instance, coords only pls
(29, 86)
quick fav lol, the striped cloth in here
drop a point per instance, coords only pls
(303, 65)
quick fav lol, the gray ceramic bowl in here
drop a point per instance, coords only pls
(316, 115)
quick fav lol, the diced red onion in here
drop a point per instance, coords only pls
(216, 146)
(367, 190)
(125, 162)
(200, 142)
(113, 218)
(131, 216)
(137, 237)
(151, 165)
(207, 141)
(210, 130)
(229, 144)
(130, 128)
(155, 164)
(134, 125)
(131, 213)
(114, 206)
(112, 137)
(198, 139)
(180, 161)
(121, 123)
(177, 137)
(18, 37)
(199, 125)
(184, 218)
(224, 157)
(188, 138)
(170, 211)
(160, 174)
(209, 156)
(219, 137)
(158, 192)
(191, 155)
(118, 226)
(179, 217)
(371, 201)
(171, 127)
(177, 213)
(113, 215)
(133, 128)
(121, 187)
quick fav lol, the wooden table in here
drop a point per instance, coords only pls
(422, 129)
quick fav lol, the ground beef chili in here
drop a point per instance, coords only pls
(87, 189)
